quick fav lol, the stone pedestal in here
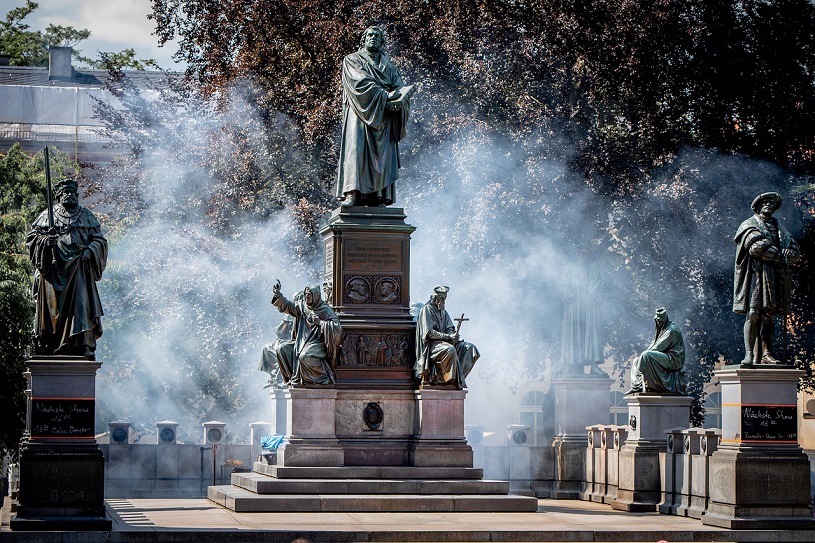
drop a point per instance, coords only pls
(580, 401)
(166, 456)
(62, 475)
(759, 476)
(520, 469)
(375, 441)
(440, 439)
(367, 260)
(650, 417)
(311, 438)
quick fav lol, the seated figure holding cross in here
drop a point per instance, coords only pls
(442, 358)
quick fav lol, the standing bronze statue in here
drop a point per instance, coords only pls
(659, 368)
(69, 254)
(580, 290)
(764, 251)
(442, 357)
(310, 355)
(375, 111)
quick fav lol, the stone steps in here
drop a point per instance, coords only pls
(263, 484)
(244, 501)
(367, 472)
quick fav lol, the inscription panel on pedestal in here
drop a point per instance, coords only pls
(329, 257)
(376, 348)
(365, 255)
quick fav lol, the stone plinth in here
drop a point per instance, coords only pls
(367, 260)
(580, 401)
(375, 427)
(311, 439)
(62, 477)
(440, 439)
(650, 416)
(520, 471)
(759, 476)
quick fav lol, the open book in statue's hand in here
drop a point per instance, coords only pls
(404, 95)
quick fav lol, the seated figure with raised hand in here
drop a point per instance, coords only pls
(442, 358)
(660, 368)
(309, 357)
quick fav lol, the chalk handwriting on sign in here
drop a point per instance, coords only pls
(62, 417)
(769, 423)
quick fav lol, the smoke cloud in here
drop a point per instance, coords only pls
(188, 312)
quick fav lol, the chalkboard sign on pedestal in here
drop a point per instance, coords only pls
(71, 418)
(769, 423)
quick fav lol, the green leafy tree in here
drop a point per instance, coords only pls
(125, 59)
(30, 47)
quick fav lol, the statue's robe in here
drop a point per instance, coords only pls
(269, 362)
(659, 368)
(580, 341)
(758, 281)
(310, 356)
(369, 148)
(68, 317)
(439, 362)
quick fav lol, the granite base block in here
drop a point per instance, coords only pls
(758, 489)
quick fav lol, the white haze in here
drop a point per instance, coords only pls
(488, 236)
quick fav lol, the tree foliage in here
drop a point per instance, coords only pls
(630, 83)
(635, 96)
(30, 47)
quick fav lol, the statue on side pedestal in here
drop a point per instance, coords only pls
(659, 368)
(309, 357)
(375, 111)
(442, 357)
(761, 280)
(580, 290)
(69, 254)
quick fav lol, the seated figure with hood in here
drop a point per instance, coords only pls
(309, 356)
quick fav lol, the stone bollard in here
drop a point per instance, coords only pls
(708, 439)
(669, 481)
(520, 473)
(167, 457)
(619, 437)
(590, 489)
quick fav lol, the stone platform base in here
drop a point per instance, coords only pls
(61, 524)
(366, 472)
(371, 489)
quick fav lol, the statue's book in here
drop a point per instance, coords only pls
(406, 93)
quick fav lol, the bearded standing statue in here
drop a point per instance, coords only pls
(69, 254)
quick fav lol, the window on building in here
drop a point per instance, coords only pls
(531, 409)
(618, 408)
(713, 410)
